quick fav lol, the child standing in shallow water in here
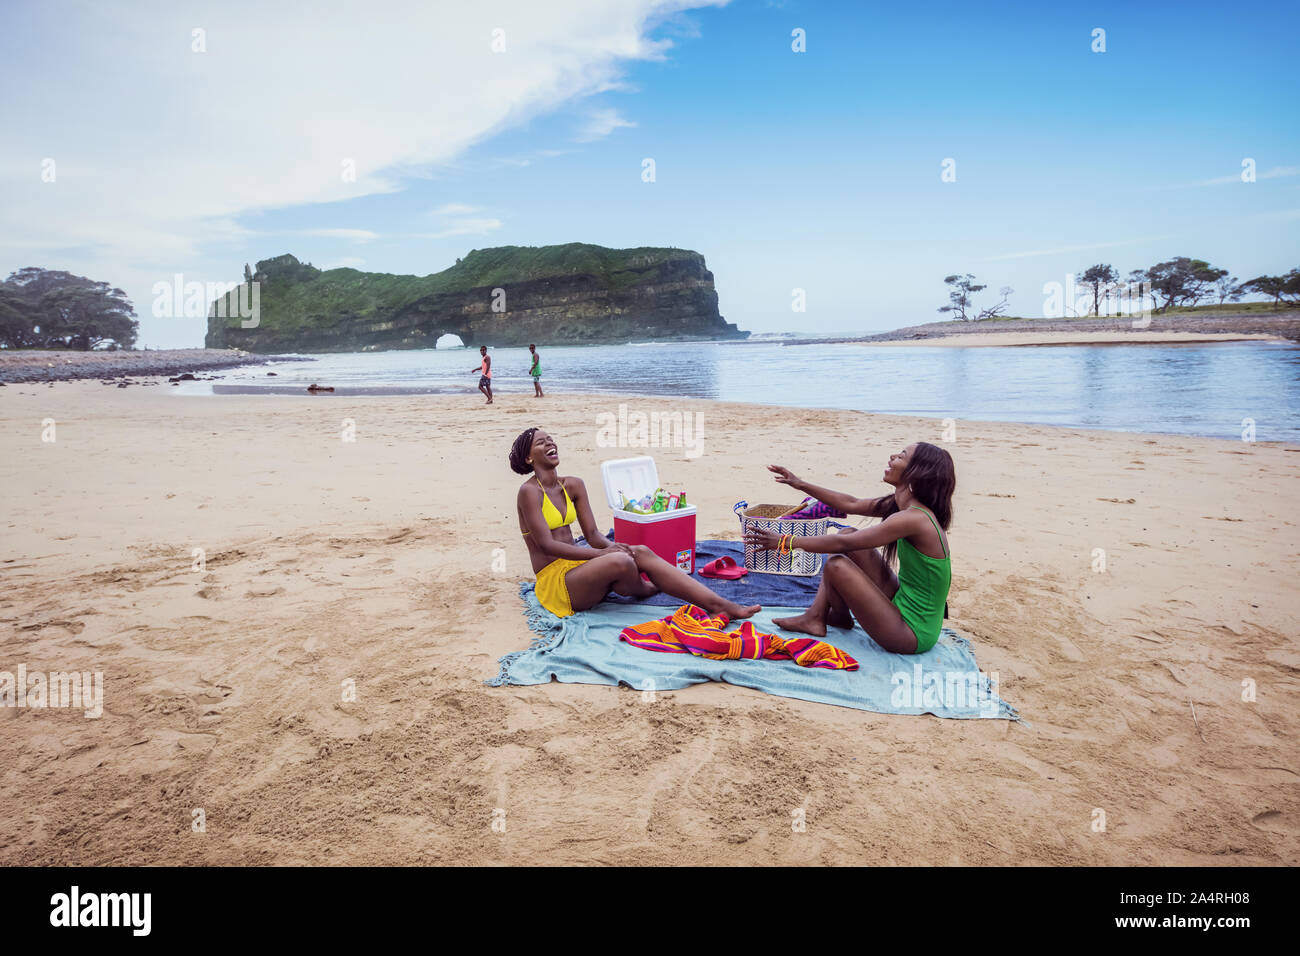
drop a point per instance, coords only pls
(536, 371)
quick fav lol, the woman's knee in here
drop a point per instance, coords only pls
(616, 564)
(838, 563)
(836, 566)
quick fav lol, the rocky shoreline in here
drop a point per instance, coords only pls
(1285, 324)
(25, 366)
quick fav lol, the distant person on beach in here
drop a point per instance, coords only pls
(572, 578)
(485, 374)
(536, 371)
(902, 612)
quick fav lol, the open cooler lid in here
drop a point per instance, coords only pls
(634, 477)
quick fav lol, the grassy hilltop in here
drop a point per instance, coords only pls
(571, 292)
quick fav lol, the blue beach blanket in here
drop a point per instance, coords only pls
(585, 649)
(783, 590)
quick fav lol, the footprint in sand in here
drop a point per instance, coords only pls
(1275, 821)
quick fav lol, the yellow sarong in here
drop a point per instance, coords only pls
(551, 591)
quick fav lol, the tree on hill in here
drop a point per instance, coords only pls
(999, 307)
(1182, 281)
(43, 308)
(961, 295)
(961, 298)
(1228, 289)
(1276, 288)
(16, 323)
(1098, 278)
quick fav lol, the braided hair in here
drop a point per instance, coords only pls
(520, 450)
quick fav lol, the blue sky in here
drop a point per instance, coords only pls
(817, 170)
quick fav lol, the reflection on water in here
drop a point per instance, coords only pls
(1182, 389)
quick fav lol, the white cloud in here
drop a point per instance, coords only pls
(357, 235)
(463, 227)
(160, 149)
(600, 123)
(457, 221)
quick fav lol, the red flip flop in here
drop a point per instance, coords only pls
(724, 568)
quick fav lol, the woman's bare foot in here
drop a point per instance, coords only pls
(805, 623)
(839, 619)
(647, 589)
(738, 612)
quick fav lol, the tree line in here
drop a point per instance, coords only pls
(48, 309)
(1180, 282)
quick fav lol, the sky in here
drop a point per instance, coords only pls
(150, 140)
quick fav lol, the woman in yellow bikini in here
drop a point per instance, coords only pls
(572, 578)
(902, 613)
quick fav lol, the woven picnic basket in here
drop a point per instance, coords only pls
(771, 518)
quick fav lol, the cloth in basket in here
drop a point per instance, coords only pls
(770, 518)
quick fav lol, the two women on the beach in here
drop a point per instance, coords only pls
(903, 613)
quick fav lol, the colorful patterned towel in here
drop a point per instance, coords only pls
(690, 630)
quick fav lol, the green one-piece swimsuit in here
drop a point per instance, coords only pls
(923, 584)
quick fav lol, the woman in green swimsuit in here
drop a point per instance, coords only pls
(902, 613)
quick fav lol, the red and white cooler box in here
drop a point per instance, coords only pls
(669, 534)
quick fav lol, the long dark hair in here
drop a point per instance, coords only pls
(933, 478)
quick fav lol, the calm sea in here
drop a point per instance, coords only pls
(1181, 389)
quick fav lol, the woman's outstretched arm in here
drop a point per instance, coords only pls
(900, 525)
(849, 504)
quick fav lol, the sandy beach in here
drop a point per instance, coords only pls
(1209, 324)
(372, 561)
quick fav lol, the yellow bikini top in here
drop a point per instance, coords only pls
(552, 513)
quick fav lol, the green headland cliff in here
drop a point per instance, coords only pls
(574, 294)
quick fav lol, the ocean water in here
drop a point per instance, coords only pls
(1205, 390)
